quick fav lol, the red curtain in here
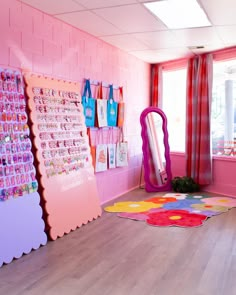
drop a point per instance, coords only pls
(156, 98)
(156, 86)
(198, 137)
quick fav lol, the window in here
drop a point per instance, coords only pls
(174, 106)
(223, 108)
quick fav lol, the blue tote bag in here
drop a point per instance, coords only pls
(112, 108)
(89, 105)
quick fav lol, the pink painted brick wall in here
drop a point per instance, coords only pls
(37, 42)
(224, 170)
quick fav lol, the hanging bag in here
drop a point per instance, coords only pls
(121, 151)
(101, 108)
(92, 142)
(88, 105)
(101, 155)
(121, 109)
(112, 107)
(111, 148)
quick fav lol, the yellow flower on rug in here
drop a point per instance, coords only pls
(206, 207)
(220, 201)
(130, 207)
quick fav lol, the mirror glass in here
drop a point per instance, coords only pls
(157, 169)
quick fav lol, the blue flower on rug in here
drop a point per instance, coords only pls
(182, 204)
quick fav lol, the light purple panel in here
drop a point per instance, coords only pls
(22, 227)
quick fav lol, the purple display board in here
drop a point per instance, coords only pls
(22, 227)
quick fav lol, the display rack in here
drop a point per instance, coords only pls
(62, 150)
(22, 227)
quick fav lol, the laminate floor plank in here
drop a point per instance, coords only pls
(116, 256)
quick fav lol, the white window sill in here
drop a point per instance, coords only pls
(225, 158)
(214, 157)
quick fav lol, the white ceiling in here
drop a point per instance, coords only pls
(128, 25)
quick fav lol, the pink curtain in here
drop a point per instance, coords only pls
(198, 137)
(156, 86)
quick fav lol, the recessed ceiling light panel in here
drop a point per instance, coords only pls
(179, 14)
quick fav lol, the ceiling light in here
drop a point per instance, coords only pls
(179, 14)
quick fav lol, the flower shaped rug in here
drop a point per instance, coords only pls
(172, 209)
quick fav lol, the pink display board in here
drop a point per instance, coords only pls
(22, 227)
(63, 153)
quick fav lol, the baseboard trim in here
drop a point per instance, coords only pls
(120, 195)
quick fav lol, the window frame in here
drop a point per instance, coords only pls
(223, 55)
(171, 67)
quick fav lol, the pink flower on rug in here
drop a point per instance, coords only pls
(180, 218)
(220, 201)
(207, 213)
(161, 200)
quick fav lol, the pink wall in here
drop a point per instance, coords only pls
(39, 43)
(224, 171)
(177, 164)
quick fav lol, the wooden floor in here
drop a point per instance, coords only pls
(115, 256)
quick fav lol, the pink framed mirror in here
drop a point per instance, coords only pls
(156, 151)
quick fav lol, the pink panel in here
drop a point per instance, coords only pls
(75, 72)
(4, 53)
(61, 69)
(52, 50)
(31, 42)
(178, 164)
(15, 14)
(11, 37)
(15, 60)
(65, 165)
(61, 33)
(70, 56)
(85, 60)
(43, 25)
(4, 19)
(57, 31)
(24, 58)
(75, 42)
(27, 18)
(42, 64)
(21, 19)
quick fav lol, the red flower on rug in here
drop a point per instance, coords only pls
(161, 200)
(180, 218)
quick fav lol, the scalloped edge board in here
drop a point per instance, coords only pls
(71, 200)
(22, 227)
